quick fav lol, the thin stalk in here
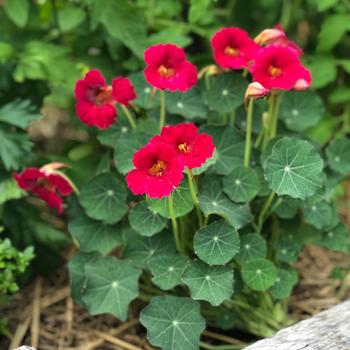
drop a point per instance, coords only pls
(162, 109)
(129, 117)
(174, 223)
(194, 197)
(264, 210)
(248, 133)
(276, 109)
(232, 118)
(275, 206)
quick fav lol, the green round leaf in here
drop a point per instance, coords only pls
(139, 250)
(229, 147)
(111, 285)
(288, 208)
(77, 274)
(337, 239)
(253, 246)
(226, 91)
(144, 221)
(284, 284)
(287, 250)
(103, 198)
(212, 200)
(259, 274)
(227, 320)
(143, 90)
(301, 110)
(322, 215)
(167, 270)
(338, 155)
(294, 168)
(95, 235)
(189, 104)
(217, 243)
(241, 185)
(173, 323)
(211, 283)
(182, 198)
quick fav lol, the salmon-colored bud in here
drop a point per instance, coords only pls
(269, 36)
(301, 84)
(52, 167)
(255, 90)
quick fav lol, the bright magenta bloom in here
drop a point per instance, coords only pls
(46, 184)
(192, 148)
(277, 67)
(157, 172)
(304, 81)
(168, 69)
(96, 100)
(233, 48)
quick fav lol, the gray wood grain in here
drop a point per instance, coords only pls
(330, 330)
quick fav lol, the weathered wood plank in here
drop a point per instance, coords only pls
(330, 330)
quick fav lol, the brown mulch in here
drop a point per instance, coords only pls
(43, 314)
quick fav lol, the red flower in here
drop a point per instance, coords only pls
(277, 36)
(232, 48)
(277, 67)
(167, 68)
(46, 184)
(157, 171)
(192, 148)
(304, 80)
(96, 100)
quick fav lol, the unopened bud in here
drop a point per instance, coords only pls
(255, 90)
(301, 84)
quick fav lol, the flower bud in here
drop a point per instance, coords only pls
(255, 90)
(270, 36)
(301, 84)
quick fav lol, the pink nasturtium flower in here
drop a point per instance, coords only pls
(255, 90)
(168, 69)
(46, 183)
(278, 67)
(192, 148)
(157, 172)
(276, 36)
(233, 48)
(95, 100)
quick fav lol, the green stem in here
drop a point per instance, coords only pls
(232, 118)
(207, 346)
(275, 206)
(129, 117)
(275, 116)
(264, 210)
(248, 133)
(162, 109)
(287, 7)
(194, 197)
(174, 223)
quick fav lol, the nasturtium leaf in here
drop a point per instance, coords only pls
(182, 199)
(77, 274)
(322, 215)
(259, 274)
(253, 246)
(111, 285)
(69, 17)
(17, 11)
(226, 92)
(338, 155)
(287, 250)
(301, 110)
(227, 319)
(217, 243)
(110, 136)
(189, 104)
(126, 146)
(139, 250)
(167, 270)
(241, 185)
(173, 323)
(103, 198)
(95, 235)
(229, 146)
(284, 284)
(288, 207)
(144, 221)
(145, 98)
(212, 200)
(294, 168)
(208, 163)
(211, 283)
(337, 239)
(264, 190)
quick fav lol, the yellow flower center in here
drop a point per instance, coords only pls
(184, 148)
(274, 71)
(165, 72)
(231, 51)
(158, 169)
(104, 95)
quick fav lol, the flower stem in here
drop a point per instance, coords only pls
(248, 133)
(194, 197)
(232, 118)
(162, 109)
(174, 223)
(129, 117)
(273, 117)
(264, 210)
